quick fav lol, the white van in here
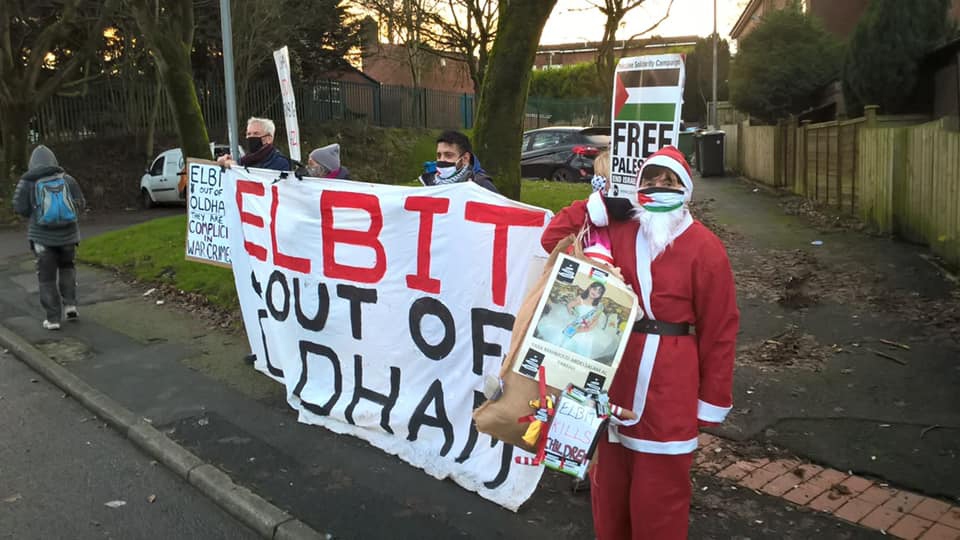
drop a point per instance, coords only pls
(161, 182)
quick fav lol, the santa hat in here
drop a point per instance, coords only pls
(671, 158)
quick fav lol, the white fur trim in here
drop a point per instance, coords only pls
(599, 253)
(666, 161)
(711, 413)
(597, 210)
(649, 355)
(672, 448)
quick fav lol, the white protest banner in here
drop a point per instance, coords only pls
(647, 102)
(381, 309)
(282, 59)
(208, 238)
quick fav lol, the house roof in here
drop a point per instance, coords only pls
(389, 64)
(944, 53)
(588, 46)
(351, 74)
(744, 18)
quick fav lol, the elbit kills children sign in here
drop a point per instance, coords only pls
(647, 101)
(381, 309)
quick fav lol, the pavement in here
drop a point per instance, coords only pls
(60, 468)
(893, 425)
(894, 420)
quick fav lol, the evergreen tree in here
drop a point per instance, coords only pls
(782, 64)
(886, 48)
(698, 90)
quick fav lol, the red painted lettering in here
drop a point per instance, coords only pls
(329, 200)
(297, 264)
(502, 218)
(427, 206)
(252, 188)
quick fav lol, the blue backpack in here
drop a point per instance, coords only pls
(54, 206)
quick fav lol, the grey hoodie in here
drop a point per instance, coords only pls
(43, 164)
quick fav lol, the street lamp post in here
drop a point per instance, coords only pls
(713, 116)
(228, 76)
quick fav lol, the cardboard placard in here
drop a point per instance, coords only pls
(580, 328)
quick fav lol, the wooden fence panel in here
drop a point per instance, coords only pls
(759, 153)
(731, 143)
(848, 166)
(875, 168)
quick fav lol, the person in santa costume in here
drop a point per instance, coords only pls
(677, 371)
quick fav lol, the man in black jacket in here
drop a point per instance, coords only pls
(456, 163)
(260, 150)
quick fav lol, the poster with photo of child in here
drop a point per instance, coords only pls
(580, 328)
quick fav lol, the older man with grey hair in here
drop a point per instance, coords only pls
(261, 153)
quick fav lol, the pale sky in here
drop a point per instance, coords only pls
(577, 20)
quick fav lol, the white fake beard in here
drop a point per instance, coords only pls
(659, 228)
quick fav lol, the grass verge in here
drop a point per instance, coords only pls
(153, 252)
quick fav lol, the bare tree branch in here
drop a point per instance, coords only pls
(653, 26)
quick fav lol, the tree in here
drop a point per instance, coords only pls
(615, 11)
(407, 21)
(886, 47)
(464, 30)
(46, 47)
(570, 81)
(698, 90)
(503, 96)
(782, 64)
(167, 27)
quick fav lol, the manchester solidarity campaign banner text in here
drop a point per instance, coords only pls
(647, 102)
(381, 308)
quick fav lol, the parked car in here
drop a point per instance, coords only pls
(564, 154)
(161, 181)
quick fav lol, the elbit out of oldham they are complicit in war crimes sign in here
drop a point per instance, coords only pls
(208, 237)
(381, 309)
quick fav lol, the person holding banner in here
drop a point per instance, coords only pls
(324, 162)
(673, 378)
(456, 163)
(261, 153)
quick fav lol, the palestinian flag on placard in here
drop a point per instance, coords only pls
(651, 95)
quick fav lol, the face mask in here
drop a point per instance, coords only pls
(254, 144)
(655, 199)
(316, 171)
(446, 169)
(599, 183)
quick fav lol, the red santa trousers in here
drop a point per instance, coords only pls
(638, 495)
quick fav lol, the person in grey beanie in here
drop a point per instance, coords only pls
(324, 162)
(52, 201)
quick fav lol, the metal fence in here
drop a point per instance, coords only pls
(117, 107)
(120, 107)
(544, 112)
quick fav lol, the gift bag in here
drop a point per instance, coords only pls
(499, 417)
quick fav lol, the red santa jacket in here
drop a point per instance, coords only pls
(670, 381)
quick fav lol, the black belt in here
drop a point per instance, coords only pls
(650, 326)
